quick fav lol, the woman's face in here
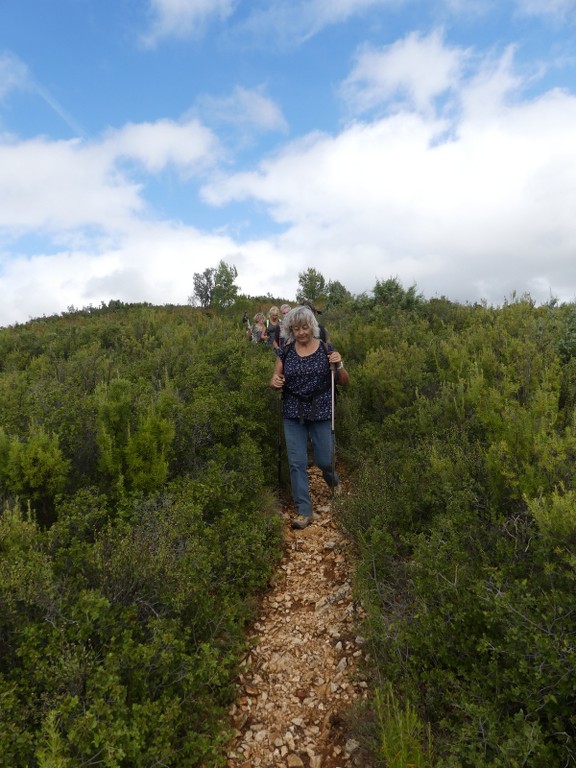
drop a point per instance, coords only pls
(302, 333)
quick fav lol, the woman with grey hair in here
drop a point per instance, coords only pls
(303, 371)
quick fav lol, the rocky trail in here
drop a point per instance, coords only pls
(301, 679)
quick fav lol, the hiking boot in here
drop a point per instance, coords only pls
(302, 521)
(338, 490)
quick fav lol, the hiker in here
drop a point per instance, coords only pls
(272, 324)
(258, 332)
(278, 340)
(303, 372)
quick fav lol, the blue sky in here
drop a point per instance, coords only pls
(144, 141)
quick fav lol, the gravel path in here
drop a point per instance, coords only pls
(301, 680)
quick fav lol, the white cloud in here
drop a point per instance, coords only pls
(50, 185)
(183, 18)
(473, 203)
(148, 261)
(444, 205)
(187, 146)
(250, 109)
(414, 70)
(70, 184)
(491, 88)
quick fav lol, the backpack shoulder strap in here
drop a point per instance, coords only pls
(285, 350)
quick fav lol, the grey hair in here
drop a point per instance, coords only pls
(298, 316)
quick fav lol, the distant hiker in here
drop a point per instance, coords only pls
(272, 323)
(278, 340)
(258, 331)
(303, 372)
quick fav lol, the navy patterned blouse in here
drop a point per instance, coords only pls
(305, 376)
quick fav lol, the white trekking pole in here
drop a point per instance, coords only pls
(332, 435)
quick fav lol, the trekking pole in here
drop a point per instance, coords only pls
(279, 441)
(332, 432)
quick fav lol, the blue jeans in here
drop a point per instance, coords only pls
(296, 436)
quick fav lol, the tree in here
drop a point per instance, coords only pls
(225, 290)
(312, 285)
(336, 294)
(203, 287)
(215, 286)
(391, 293)
(37, 468)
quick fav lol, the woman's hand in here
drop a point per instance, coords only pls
(334, 358)
(277, 381)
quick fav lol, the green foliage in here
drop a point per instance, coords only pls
(132, 628)
(203, 287)
(464, 519)
(404, 740)
(336, 294)
(142, 445)
(122, 617)
(311, 285)
(390, 292)
(36, 469)
(114, 403)
(147, 453)
(225, 289)
(215, 287)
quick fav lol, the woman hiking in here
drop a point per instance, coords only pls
(306, 370)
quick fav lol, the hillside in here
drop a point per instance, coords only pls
(152, 599)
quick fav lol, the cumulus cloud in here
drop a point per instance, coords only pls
(443, 204)
(69, 184)
(147, 261)
(182, 18)
(414, 70)
(187, 146)
(473, 202)
(53, 184)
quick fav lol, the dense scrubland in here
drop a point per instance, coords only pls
(138, 473)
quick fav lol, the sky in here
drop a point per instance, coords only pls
(144, 141)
